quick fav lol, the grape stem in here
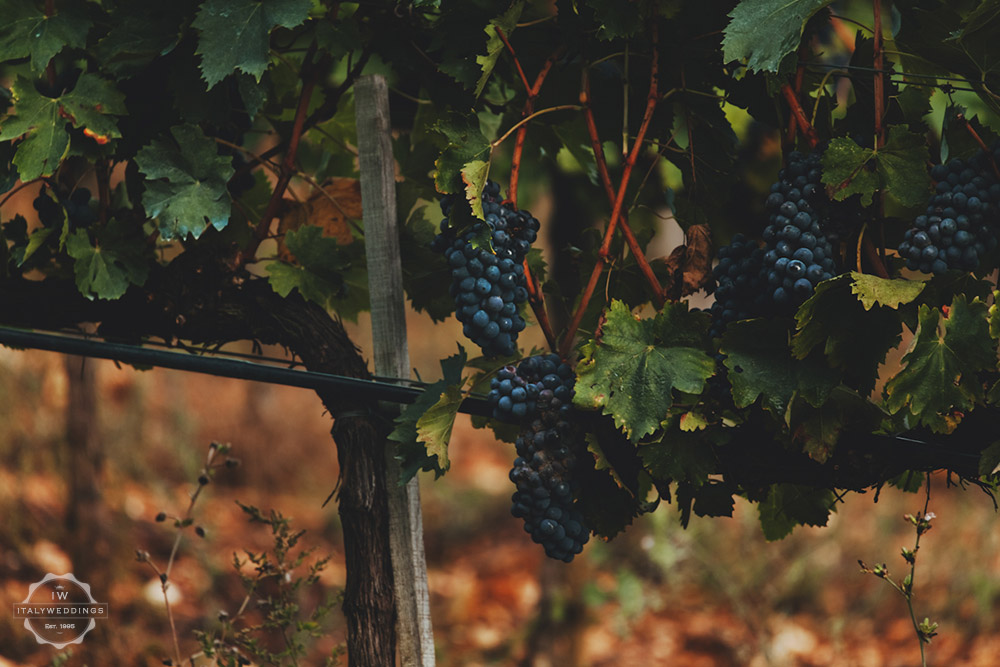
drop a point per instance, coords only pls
(808, 131)
(521, 123)
(535, 296)
(517, 61)
(529, 108)
(979, 140)
(619, 199)
(879, 74)
(310, 76)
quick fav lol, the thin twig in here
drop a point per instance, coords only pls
(535, 296)
(310, 75)
(609, 189)
(542, 112)
(517, 61)
(808, 131)
(529, 107)
(616, 212)
(22, 186)
(879, 74)
(979, 140)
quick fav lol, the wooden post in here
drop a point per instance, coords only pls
(385, 284)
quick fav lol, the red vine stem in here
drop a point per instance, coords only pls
(517, 61)
(535, 296)
(879, 89)
(879, 75)
(979, 140)
(792, 124)
(616, 211)
(874, 258)
(602, 170)
(529, 107)
(310, 76)
(808, 131)
(537, 301)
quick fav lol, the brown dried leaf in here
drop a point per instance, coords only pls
(689, 266)
(331, 211)
(697, 259)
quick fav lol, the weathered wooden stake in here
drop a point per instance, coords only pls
(385, 284)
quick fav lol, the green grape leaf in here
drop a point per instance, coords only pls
(426, 276)
(235, 34)
(842, 319)
(413, 451)
(819, 428)
(761, 365)
(633, 368)
(897, 168)
(938, 379)
(434, 426)
(91, 105)
(324, 272)
(989, 460)
(910, 481)
(872, 290)
(474, 176)
(464, 143)
(186, 183)
(35, 241)
(994, 317)
(790, 505)
(42, 120)
(106, 269)
(712, 499)
(27, 31)
(765, 31)
(680, 456)
(617, 19)
(956, 140)
(914, 103)
(138, 35)
(494, 45)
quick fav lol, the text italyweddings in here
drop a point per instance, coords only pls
(44, 610)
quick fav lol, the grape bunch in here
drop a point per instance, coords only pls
(517, 391)
(798, 255)
(545, 468)
(740, 292)
(488, 287)
(50, 213)
(77, 209)
(960, 223)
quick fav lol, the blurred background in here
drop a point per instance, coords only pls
(714, 594)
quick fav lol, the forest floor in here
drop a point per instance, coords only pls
(714, 594)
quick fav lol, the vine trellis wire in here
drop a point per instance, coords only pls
(266, 369)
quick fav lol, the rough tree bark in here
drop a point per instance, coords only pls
(197, 299)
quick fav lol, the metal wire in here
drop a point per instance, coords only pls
(348, 387)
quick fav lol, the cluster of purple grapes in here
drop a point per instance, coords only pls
(488, 287)
(798, 255)
(960, 224)
(76, 205)
(739, 292)
(516, 392)
(539, 392)
(754, 281)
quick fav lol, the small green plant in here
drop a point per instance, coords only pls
(275, 585)
(925, 630)
(216, 458)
